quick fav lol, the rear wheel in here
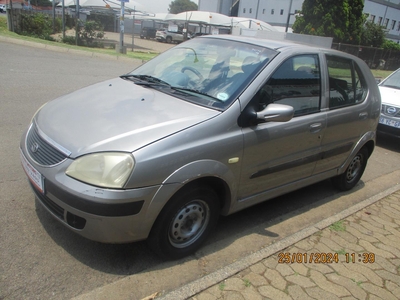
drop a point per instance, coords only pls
(185, 222)
(353, 173)
(169, 39)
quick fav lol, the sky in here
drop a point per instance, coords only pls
(158, 6)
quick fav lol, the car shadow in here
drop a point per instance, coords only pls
(133, 258)
(388, 142)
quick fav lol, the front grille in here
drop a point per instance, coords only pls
(41, 151)
(390, 110)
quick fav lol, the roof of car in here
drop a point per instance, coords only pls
(269, 43)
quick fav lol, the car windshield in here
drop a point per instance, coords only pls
(393, 81)
(207, 71)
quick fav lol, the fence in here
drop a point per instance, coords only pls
(376, 58)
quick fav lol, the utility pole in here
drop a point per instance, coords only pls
(288, 16)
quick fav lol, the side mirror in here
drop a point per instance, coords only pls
(276, 112)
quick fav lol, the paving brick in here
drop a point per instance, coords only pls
(344, 271)
(385, 240)
(378, 291)
(389, 276)
(205, 296)
(256, 279)
(347, 236)
(385, 264)
(284, 269)
(321, 281)
(258, 268)
(371, 222)
(351, 285)
(234, 284)
(392, 287)
(318, 293)
(270, 262)
(305, 244)
(354, 229)
(300, 280)
(395, 251)
(371, 248)
(300, 268)
(231, 295)
(322, 268)
(394, 231)
(387, 222)
(345, 244)
(276, 279)
(372, 228)
(297, 293)
(368, 273)
(273, 293)
(251, 294)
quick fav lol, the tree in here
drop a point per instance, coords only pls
(178, 6)
(340, 19)
(373, 35)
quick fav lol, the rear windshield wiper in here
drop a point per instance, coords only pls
(146, 79)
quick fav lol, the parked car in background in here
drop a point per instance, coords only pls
(389, 122)
(148, 33)
(208, 128)
(163, 35)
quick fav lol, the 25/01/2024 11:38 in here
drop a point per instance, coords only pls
(324, 258)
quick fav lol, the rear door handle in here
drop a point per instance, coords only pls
(363, 115)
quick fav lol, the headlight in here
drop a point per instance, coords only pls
(108, 169)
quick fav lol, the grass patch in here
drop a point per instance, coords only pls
(341, 252)
(222, 286)
(338, 226)
(247, 283)
(144, 56)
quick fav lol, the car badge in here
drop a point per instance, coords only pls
(391, 110)
(34, 147)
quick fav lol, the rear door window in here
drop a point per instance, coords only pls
(347, 85)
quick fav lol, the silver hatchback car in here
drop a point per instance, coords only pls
(207, 128)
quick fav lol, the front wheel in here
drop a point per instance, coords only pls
(353, 173)
(185, 222)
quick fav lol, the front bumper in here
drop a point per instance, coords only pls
(103, 215)
(389, 126)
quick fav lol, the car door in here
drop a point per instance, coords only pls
(348, 114)
(279, 153)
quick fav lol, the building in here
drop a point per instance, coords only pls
(281, 13)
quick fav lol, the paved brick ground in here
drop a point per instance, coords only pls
(355, 258)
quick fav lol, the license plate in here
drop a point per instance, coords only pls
(34, 175)
(388, 122)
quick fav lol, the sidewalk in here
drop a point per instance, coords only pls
(357, 257)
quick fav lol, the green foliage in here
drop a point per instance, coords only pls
(90, 33)
(373, 35)
(388, 44)
(178, 6)
(340, 19)
(39, 25)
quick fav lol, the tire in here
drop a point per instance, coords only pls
(185, 222)
(169, 39)
(353, 173)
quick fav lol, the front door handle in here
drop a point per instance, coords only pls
(315, 127)
(363, 115)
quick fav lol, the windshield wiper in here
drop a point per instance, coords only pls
(146, 79)
(194, 91)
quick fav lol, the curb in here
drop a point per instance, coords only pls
(209, 280)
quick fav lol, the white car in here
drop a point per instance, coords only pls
(389, 122)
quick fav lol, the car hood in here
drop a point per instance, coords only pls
(116, 115)
(390, 96)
